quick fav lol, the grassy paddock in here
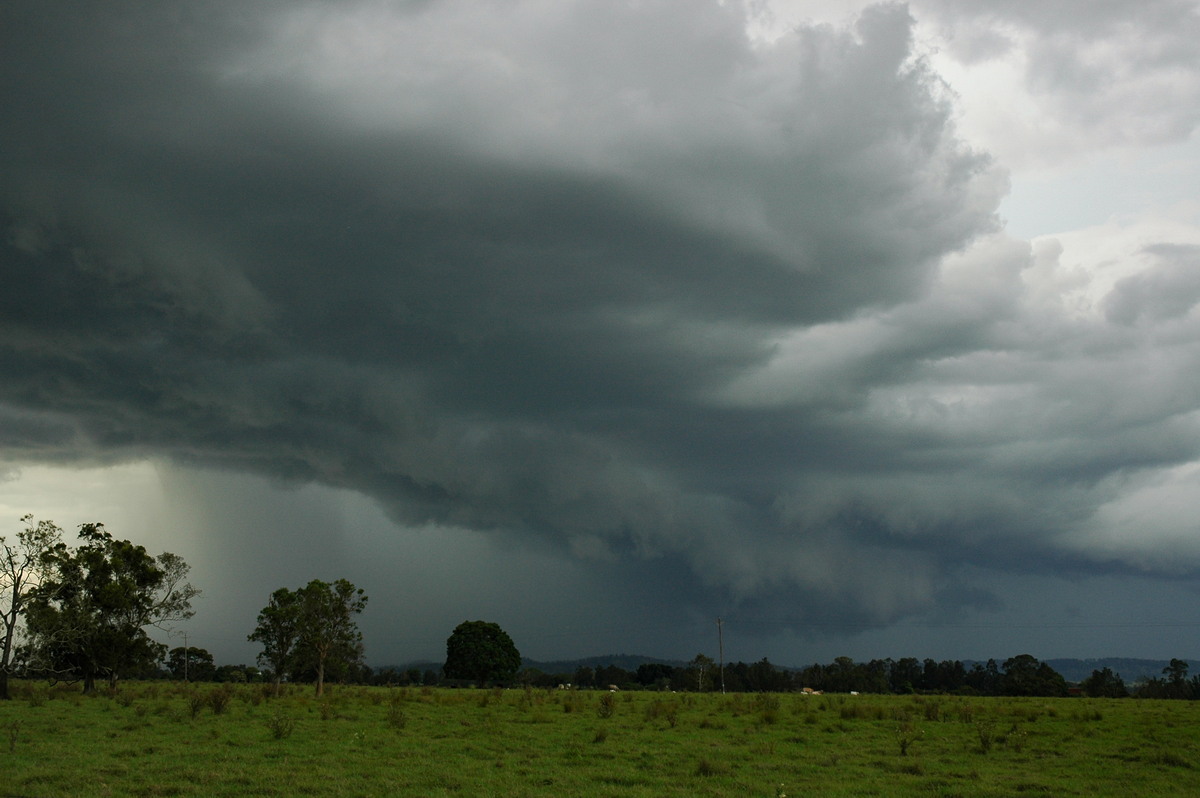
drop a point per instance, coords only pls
(171, 739)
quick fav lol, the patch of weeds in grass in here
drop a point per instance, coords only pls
(907, 733)
(767, 701)
(396, 717)
(851, 712)
(601, 735)
(281, 725)
(658, 709)
(768, 705)
(711, 767)
(196, 701)
(14, 732)
(763, 748)
(1014, 738)
(1171, 759)
(607, 705)
(219, 700)
(986, 731)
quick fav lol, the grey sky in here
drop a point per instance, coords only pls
(603, 320)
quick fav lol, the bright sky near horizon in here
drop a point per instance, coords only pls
(870, 328)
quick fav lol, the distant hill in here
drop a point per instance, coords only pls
(629, 662)
(1130, 670)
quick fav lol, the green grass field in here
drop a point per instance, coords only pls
(170, 739)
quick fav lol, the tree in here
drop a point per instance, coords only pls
(89, 615)
(984, 679)
(657, 674)
(1177, 681)
(191, 663)
(278, 631)
(481, 651)
(328, 633)
(22, 568)
(1025, 675)
(700, 669)
(584, 676)
(1104, 684)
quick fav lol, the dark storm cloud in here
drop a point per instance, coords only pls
(612, 282)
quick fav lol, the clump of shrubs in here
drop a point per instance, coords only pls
(607, 705)
(219, 699)
(281, 725)
(395, 716)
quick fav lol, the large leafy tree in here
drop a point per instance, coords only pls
(89, 616)
(278, 631)
(311, 630)
(481, 651)
(191, 663)
(329, 634)
(1025, 675)
(22, 568)
(1104, 684)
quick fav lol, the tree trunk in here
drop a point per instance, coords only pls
(6, 654)
(320, 677)
(89, 683)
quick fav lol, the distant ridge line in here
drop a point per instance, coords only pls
(1131, 669)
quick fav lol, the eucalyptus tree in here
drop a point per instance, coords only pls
(90, 614)
(278, 631)
(22, 568)
(311, 629)
(328, 632)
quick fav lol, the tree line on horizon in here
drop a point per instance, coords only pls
(85, 613)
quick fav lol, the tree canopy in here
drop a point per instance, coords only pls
(89, 616)
(191, 664)
(481, 651)
(278, 631)
(311, 630)
(328, 632)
